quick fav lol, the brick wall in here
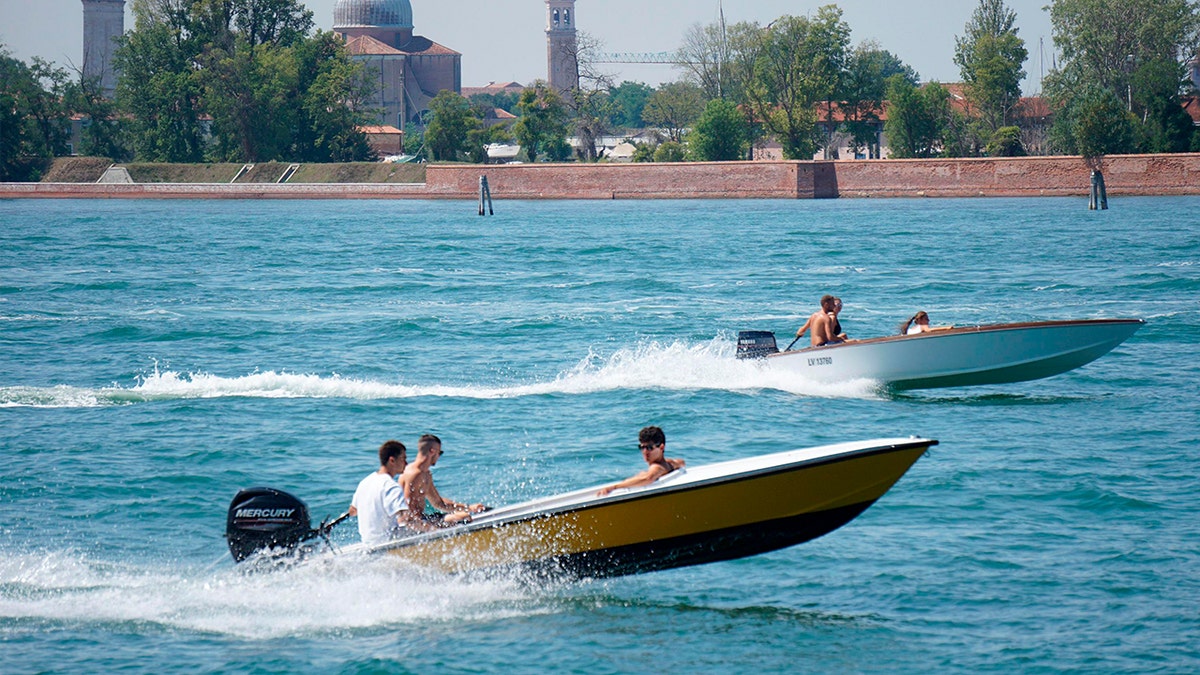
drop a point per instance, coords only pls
(1018, 176)
(692, 180)
(1023, 176)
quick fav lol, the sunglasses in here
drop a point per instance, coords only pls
(646, 446)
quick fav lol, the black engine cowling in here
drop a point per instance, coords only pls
(756, 344)
(263, 519)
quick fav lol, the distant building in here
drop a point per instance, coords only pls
(493, 88)
(407, 70)
(103, 23)
(385, 139)
(562, 47)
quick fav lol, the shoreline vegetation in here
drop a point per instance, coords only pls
(1127, 175)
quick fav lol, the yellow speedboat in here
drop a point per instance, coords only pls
(695, 515)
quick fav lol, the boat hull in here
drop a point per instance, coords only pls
(962, 357)
(719, 512)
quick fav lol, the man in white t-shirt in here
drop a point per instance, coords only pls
(379, 500)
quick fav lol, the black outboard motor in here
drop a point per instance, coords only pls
(265, 518)
(756, 344)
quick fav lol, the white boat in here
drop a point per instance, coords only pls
(691, 516)
(954, 357)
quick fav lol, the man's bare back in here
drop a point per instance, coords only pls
(820, 323)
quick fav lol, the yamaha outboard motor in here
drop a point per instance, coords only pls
(756, 344)
(265, 518)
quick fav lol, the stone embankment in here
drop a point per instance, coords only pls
(988, 177)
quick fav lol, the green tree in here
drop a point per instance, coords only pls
(1155, 91)
(918, 118)
(542, 127)
(248, 94)
(34, 124)
(105, 132)
(331, 92)
(1097, 37)
(670, 151)
(721, 134)
(275, 22)
(452, 118)
(158, 86)
(863, 91)
(1006, 142)
(719, 58)
(272, 90)
(1133, 48)
(1093, 124)
(643, 152)
(629, 100)
(674, 108)
(991, 59)
(797, 64)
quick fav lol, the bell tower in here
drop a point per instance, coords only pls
(103, 23)
(562, 64)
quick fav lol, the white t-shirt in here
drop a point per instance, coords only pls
(378, 499)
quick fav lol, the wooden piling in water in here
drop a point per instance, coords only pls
(485, 194)
(1099, 195)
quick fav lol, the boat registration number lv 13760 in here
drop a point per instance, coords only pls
(821, 361)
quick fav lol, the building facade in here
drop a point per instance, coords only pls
(562, 47)
(405, 70)
(103, 23)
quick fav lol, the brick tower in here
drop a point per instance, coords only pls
(562, 66)
(103, 23)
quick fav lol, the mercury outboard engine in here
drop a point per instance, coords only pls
(265, 518)
(756, 344)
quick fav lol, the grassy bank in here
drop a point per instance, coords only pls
(89, 170)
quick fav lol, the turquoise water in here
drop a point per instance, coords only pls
(155, 357)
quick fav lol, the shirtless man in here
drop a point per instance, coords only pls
(653, 444)
(821, 323)
(417, 481)
(379, 500)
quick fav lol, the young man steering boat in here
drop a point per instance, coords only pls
(379, 500)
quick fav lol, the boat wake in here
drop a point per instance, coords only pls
(347, 593)
(650, 365)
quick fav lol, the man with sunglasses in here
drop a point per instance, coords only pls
(417, 481)
(653, 444)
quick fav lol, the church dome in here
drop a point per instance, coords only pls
(373, 14)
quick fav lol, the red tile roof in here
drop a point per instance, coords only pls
(423, 46)
(371, 129)
(1191, 105)
(494, 88)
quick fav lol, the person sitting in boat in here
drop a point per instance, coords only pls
(419, 490)
(836, 328)
(653, 444)
(822, 323)
(379, 500)
(919, 323)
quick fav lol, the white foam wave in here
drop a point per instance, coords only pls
(350, 592)
(652, 365)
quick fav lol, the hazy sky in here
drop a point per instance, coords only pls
(504, 40)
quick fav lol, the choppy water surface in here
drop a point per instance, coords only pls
(155, 357)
